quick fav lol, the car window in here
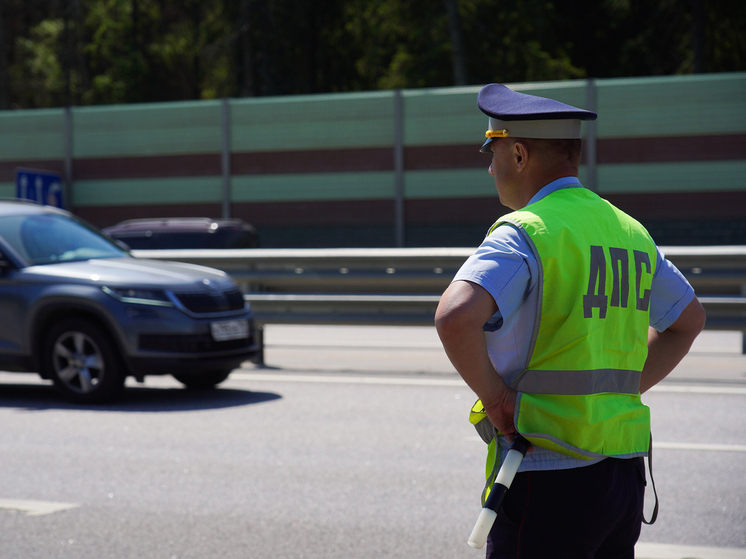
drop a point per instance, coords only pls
(48, 238)
(156, 240)
(170, 240)
(180, 239)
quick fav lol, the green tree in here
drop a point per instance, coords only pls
(58, 52)
(39, 73)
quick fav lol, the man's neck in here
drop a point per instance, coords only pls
(540, 180)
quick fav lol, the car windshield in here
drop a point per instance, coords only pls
(50, 238)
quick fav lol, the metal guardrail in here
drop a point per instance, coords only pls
(403, 286)
(288, 308)
(359, 271)
(714, 270)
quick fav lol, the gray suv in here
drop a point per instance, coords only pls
(83, 312)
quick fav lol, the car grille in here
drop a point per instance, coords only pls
(197, 343)
(231, 300)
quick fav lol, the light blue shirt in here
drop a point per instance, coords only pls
(505, 266)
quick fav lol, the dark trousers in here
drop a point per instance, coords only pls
(594, 512)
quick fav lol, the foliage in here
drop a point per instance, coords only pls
(41, 70)
(120, 51)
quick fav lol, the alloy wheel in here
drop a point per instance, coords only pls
(78, 362)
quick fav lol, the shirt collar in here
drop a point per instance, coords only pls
(564, 182)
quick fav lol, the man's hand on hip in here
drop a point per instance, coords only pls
(501, 412)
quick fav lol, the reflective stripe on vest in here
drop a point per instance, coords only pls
(579, 382)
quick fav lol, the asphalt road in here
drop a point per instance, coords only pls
(350, 443)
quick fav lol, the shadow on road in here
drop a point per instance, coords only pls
(38, 397)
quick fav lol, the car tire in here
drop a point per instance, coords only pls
(83, 362)
(202, 381)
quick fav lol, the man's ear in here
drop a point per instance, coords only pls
(520, 155)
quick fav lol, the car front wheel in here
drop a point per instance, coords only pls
(202, 381)
(82, 361)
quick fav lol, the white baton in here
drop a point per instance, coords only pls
(513, 459)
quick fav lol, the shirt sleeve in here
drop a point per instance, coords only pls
(500, 266)
(670, 294)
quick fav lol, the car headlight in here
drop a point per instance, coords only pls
(139, 296)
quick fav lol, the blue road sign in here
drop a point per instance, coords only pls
(39, 186)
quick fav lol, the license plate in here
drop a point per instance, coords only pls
(229, 330)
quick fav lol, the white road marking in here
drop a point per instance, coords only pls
(668, 551)
(673, 446)
(35, 508)
(701, 446)
(413, 381)
(699, 389)
(348, 379)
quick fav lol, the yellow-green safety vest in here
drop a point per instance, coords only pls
(579, 393)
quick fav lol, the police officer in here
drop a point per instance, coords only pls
(564, 315)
